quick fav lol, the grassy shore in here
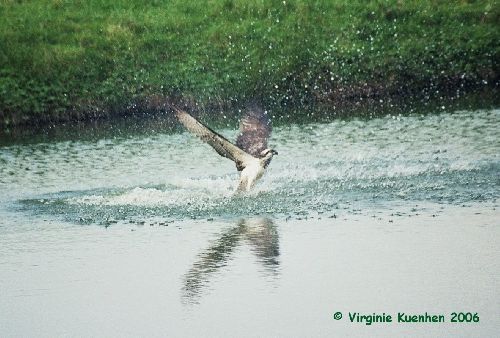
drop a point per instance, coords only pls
(63, 60)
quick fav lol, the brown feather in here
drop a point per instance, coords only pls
(255, 129)
(221, 145)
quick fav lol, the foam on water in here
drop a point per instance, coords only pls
(185, 191)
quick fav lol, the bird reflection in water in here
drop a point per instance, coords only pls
(259, 233)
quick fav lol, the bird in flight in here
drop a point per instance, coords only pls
(250, 153)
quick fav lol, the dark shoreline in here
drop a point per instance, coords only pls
(359, 100)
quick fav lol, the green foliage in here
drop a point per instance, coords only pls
(59, 56)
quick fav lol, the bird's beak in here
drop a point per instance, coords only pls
(275, 152)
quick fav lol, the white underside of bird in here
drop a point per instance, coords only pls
(249, 176)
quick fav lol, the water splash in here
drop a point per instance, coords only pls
(323, 169)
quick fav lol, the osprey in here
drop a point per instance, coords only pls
(250, 153)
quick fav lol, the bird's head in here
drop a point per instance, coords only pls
(267, 155)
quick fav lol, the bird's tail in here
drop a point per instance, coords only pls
(242, 185)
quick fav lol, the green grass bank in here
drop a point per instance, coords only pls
(63, 60)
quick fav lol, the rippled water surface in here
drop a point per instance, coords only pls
(141, 235)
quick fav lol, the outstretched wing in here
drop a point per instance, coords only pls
(221, 145)
(255, 129)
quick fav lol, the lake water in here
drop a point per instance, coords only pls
(139, 234)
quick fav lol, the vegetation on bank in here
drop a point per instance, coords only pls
(62, 59)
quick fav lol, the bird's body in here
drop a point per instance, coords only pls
(250, 174)
(251, 154)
